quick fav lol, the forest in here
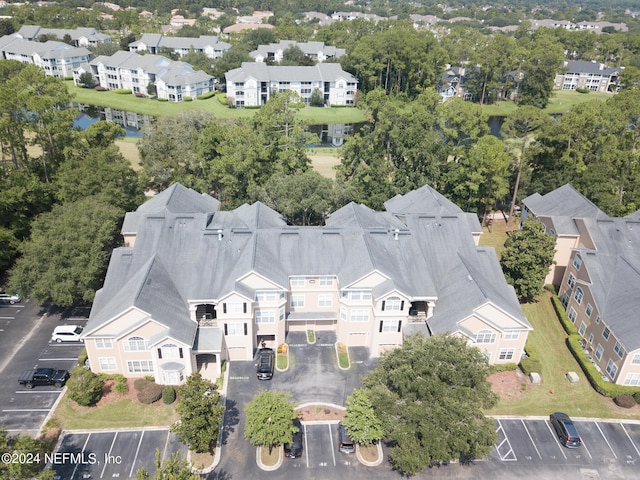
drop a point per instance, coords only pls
(64, 192)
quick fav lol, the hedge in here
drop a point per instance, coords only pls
(532, 362)
(122, 91)
(222, 98)
(569, 327)
(503, 367)
(208, 95)
(152, 392)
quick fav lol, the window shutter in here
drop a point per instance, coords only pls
(383, 302)
(380, 326)
(180, 352)
(225, 329)
(402, 305)
(244, 307)
(160, 353)
(399, 325)
(224, 307)
(245, 328)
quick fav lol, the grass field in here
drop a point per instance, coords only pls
(560, 102)
(548, 339)
(129, 149)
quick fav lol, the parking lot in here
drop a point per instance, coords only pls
(25, 336)
(113, 454)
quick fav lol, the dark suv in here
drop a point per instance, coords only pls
(266, 361)
(294, 449)
(565, 429)
(345, 444)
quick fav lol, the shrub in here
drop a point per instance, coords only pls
(187, 99)
(100, 88)
(168, 395)
(625, 401)
(503, 367)
(222, 98)
(140, 384)
(208, 95)
(162, 99)
(582, 90)
(152, 392)
(532, 362)
(122, 91)
(82, 358)
(121, 384)
(569, 327)
(84, 386)
(636, 396)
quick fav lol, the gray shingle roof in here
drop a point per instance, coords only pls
(325, 72)
(198, 252)
(590, 68)
(158, 40)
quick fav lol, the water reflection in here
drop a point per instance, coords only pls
(132, 122)
(333, 135)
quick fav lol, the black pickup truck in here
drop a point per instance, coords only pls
(44, 376)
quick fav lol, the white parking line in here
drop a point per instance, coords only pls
(109, 454)
(555, 436)
(133, 465)
(605, 439)
(56, 359)
(306, 445)
(333, 450)
(7, 318)
(28, 410)
(531, 438)
(83, 449)
(506, 439)
(36, 392)
(630, 439)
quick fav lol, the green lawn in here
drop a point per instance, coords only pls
(561, 101)
(120, 414)
(146, 106)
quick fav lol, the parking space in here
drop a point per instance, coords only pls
(112, 454)
(534, 442)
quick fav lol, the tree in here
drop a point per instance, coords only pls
(429, 395)
(200, 410)
(270, 418)
(317, 98)
(86, 80)
(361, 421)
(545, 58)
(294, 56)
(84, 386)
(173, 468)
(520, 125)
(66, 255)
(526, 258)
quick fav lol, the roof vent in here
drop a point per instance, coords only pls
(396, 232)
(219, 235)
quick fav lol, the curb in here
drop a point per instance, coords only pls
(218, 451)
(288, 360)
(269, 468)
(338, 357)
(367, 463)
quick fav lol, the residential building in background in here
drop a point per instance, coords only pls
(194, 285)
(317, 51)
(590, 75)
(253, 83)
(156, 43)
(81, 37)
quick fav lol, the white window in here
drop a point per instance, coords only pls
(571, 281)
(619, 349)
(326, 281)
(572, 315)
(506, 354)
(140, 366)
(636, 359)
(234, 307)
(103, 343)
(564, 299)
(265, 316)
(270, 296)
(235, 328)
(577, 262)
(589, 310)
(582, 329)
(485, 336)
(169, 350)
(359, 315)
(511, 335)
(578, 295)
(599, 350)
(325, 300)
(172, 378)
(612, 369)
(297, 300)
(393, 304)
(135, 344)
(632, 379)
(297, 281)
(343, 313)
(590, 338)
(281, 314)
(606, 332)
(390, 325)
(357, 295)
(107, 363)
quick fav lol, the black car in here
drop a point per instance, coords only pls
(266, 362)
(565, 429)
(294, 449)
(345, 444)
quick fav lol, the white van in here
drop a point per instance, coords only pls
(67, 333)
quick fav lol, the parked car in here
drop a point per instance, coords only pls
(565, 429)
(44, 376)
(67, 333)
(266, 362)
(294, 449)
(10, 298)
(345, 444)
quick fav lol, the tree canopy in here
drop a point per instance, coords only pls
(270, 418)
(429, 395)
